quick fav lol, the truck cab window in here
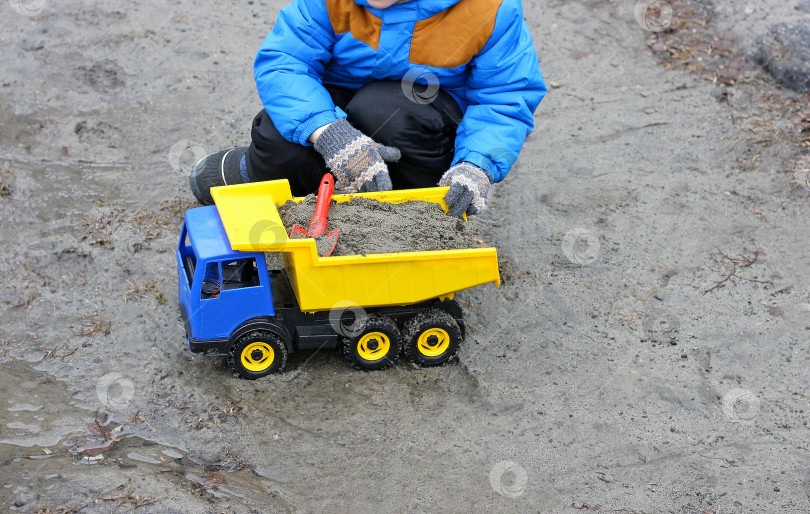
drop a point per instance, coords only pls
(239, 273)
(187, 256)
(211, 281)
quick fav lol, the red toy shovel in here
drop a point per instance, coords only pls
(318, 224)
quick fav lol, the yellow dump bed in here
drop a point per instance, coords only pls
(250, 216)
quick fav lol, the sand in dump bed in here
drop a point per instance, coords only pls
(370, 226)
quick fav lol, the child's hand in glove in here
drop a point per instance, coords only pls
(469, 189)
(356, 161)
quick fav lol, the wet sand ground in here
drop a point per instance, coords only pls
(646, 352)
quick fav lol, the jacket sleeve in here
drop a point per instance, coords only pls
(289, 68)
(504, 87)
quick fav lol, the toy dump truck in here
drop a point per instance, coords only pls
(370, 306)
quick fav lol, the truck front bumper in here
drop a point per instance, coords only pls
(209, 346)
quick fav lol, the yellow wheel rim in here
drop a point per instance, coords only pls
(433, 342)
(257, 356)
(373, 346)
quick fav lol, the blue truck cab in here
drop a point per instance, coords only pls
(219, 288)
(232, 305)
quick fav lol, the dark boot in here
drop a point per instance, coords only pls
(217, 169)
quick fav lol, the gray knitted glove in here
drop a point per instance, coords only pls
(355, 159)
(469, 189)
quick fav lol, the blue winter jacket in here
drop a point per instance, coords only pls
(481, 51)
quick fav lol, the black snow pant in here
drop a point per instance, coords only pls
(425, 133)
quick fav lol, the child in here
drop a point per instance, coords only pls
(444, 91)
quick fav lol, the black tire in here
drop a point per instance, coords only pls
(257, 354)
(376, 347)
(431, 338)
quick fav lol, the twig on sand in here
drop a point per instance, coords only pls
(128, 497)
(737, 264)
